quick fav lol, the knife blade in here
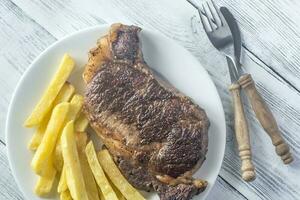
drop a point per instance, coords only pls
(259, 106)
(236, 36)
(234, 76)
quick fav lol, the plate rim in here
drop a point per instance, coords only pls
(81, 31)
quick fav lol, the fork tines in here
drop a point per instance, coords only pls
(210, 15)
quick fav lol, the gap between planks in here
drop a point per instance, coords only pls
(282, 78)
(31, 21)
(213, 75)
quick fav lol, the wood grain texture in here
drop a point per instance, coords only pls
(270, 55)
(8, 187)
(66, 16)
(242, 134)
(24, 40)
(10, 191)
(223, 191)
(21, 40)
(178, 21)
(266, 118)
(271, 30)
(274, 180)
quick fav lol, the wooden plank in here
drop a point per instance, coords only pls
(39, 39)
(222, 190)
(178, 22)
(21, 41)
(274, 180)
(258, 20)
(8, 187)
(9, 190)
(257, 41)
(271, 31)
(66, 16)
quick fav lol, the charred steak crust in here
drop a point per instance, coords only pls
(141, 179)
(157, 115)
(152, 127)
(126, 44)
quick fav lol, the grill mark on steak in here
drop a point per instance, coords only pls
(154, 128)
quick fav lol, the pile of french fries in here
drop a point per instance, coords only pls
(63, 151)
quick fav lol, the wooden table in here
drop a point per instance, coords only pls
(271, 44)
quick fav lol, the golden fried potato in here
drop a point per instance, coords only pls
(117, 191)
(65, 195)
(74, 176)
(64, 95)
(62, 184)
(106, 189)
(58, 157)
(81, 123)
(90, 183)
(52, 133)
(76, 105)
(81, 140)
(39, 134)
(116, 176)
(44, 105)
(100, 194)
(45, 183)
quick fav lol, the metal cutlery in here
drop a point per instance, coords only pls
(220, 36)
(262, 112)
(224, 34)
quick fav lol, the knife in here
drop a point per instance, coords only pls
(259, 106)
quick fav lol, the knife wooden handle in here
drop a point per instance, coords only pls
(242, 135)
(266, 118)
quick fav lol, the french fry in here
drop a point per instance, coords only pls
(117, 191)
(44, 105)
(100, 194)
(74, 175)
(98, 172)
(58, 158)
(52, 133)
(116, 176)
(76, 105)
(81, 141)
(81, 123)
(65, 195)
(39, 134)
(91, 185)
(62, 184)
(64, 95)
(45, 183)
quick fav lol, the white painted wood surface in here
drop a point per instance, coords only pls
(271, 41)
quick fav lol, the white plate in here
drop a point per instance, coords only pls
(164, 55)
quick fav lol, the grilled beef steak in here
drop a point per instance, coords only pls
(157, 136)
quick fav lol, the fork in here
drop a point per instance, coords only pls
(221, 37)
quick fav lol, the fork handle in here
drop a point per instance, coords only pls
(266, 118)
(242, 135)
